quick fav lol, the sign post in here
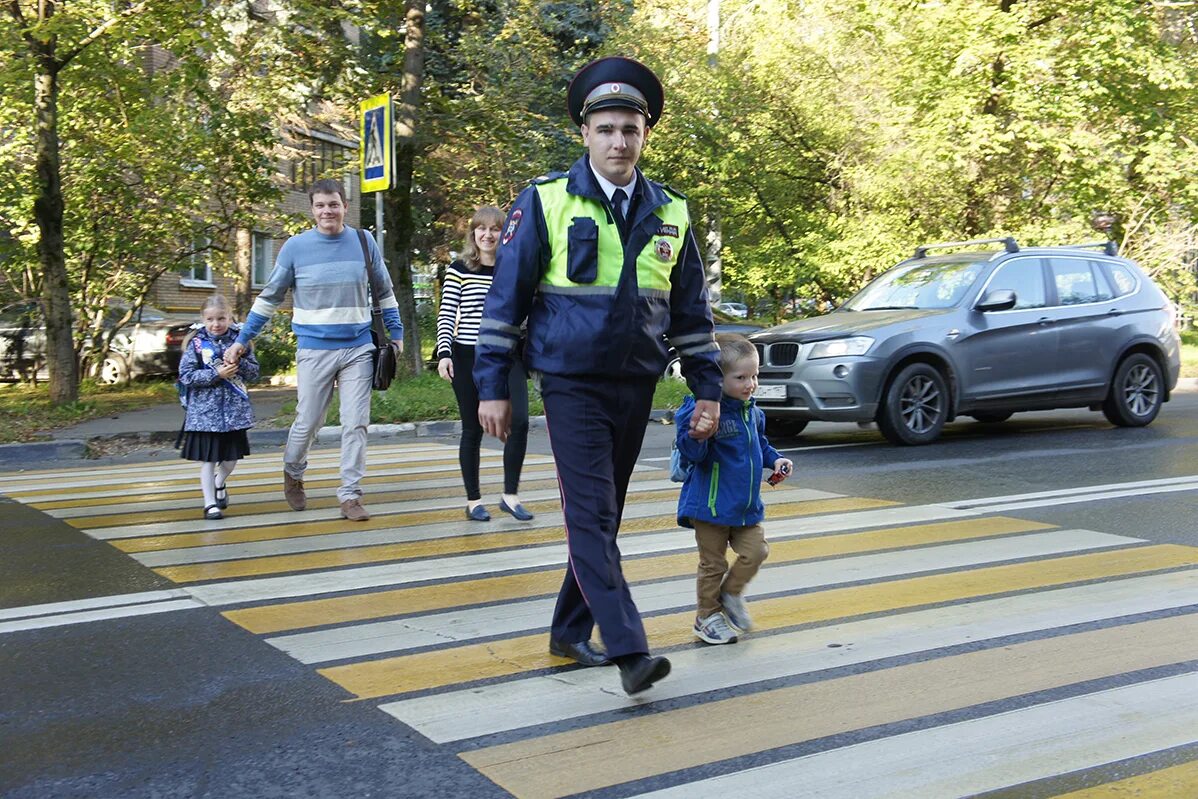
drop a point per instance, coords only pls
(376, 154)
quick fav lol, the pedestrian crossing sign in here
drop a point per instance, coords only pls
(375, 147)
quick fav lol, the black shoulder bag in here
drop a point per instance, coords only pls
(384, 355)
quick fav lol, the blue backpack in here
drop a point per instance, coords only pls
(680, 466)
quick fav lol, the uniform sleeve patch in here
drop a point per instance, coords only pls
(513, 223)
(668, 230)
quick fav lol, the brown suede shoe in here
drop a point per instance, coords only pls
(352, 509)
(293, 490)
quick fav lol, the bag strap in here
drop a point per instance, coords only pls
(376, 314)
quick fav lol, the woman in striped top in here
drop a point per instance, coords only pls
(466, 284)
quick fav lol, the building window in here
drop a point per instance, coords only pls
(262, 257)
(320, 159)
(196, 271)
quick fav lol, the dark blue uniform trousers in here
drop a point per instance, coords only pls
(596, 427)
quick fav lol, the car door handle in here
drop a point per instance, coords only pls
(1046, 321)
(1114, 312)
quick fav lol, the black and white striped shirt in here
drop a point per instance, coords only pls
(462, 299)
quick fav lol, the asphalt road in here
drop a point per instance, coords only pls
(239, 659)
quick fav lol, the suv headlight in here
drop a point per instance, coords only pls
(840, 347)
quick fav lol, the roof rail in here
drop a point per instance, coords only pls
(1109, 247)
(1008, 242)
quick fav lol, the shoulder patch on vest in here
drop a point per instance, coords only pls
(549, 178)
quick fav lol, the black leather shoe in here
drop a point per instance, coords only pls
(583, 652)
(640, 673)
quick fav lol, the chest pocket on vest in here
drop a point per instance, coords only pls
(582, 257)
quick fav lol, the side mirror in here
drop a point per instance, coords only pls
(997, 300)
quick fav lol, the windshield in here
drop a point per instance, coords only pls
(918, 285)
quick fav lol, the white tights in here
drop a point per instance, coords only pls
(212, 475)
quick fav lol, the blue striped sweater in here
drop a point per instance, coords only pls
(328, 280)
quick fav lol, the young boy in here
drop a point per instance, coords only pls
(721, 498)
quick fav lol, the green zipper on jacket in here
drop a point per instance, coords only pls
(713, 490)
(753, 479)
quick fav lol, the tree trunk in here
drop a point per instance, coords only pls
(48, 212)
(243, 272)
(397, 203)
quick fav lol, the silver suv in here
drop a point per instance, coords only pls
(982, 334)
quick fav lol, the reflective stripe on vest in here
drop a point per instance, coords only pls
(653, 264)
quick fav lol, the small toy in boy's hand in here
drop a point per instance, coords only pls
(779, 476)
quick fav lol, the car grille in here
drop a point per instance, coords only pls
(783, 354)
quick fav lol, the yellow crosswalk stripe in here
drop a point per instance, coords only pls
(362, 607)
(582, 760)
(404, 673)
(1174, 782)
(332, 558)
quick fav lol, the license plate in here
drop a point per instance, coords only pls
(770, 393)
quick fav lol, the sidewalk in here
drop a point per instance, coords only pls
(159, 425)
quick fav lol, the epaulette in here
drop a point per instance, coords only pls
(673, 191)
(549, 178)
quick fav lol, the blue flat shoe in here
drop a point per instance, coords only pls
(519, 512)
(478, 514)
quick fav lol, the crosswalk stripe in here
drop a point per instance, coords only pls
(572, 762)
(508, 558)
(280, 617)
(1167, 783)
(984, 754)
(537, 700)
(513, 655)
(415, 631)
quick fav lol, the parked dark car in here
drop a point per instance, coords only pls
(724, 323)
(978, 333)
(148, 345)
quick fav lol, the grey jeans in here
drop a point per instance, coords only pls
(352, 370)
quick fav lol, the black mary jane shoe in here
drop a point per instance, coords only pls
(519, 512)
(639, 673)
(478, 514)
(583, 653)
(222, 497)
(213, 512)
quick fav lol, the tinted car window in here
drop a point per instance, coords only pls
(1076, 282)
(1125, 281)
(918, 285)
(1025, 277)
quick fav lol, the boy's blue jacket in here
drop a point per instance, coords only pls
(215, 405)
(725, 485)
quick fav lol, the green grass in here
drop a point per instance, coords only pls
(28, 414)
(1189, 353)
(428, 398)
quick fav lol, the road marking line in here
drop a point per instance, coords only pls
(531, 701)
(1165, 783)
(474, 661)
(79, 617)
(647, 745)
(92, 603)
(986, 754)
(354, 641)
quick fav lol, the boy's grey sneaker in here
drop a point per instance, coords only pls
(737, 611)
(714, 629)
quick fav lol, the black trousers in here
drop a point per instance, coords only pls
(472, 431)
(596, 427)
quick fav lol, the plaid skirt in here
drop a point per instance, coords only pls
(214, 447)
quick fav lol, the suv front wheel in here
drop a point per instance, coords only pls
(1136, 392)
(915, 406)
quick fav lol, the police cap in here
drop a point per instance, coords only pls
(615, 82)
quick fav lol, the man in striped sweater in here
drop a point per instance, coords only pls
(329, 279)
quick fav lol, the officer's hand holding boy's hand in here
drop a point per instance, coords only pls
(445, 368)
(233, 354)
(705, 420)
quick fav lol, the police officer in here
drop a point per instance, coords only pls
(604, 266)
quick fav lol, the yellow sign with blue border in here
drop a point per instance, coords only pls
(375, 151)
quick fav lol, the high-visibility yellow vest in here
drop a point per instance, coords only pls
(587, 254)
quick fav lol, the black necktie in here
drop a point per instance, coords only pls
(617, 206)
